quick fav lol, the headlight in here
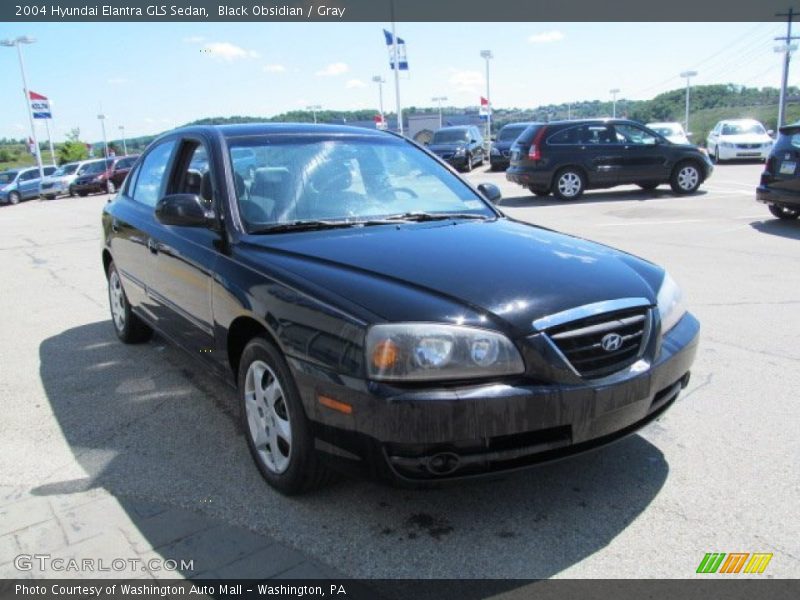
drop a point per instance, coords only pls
(727, 145)
(670, 303)
(432, 351)
(460, 151)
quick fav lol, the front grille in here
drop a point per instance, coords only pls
(581, 341)
(748, 146)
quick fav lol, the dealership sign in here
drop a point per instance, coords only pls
(40, 106)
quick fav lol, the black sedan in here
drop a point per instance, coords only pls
(376, 311)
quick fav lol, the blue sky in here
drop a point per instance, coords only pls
(156, 76)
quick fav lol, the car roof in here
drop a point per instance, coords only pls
(255, 129)
(741, 121)
(520, 124)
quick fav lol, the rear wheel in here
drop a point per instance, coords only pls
(128, 327)
(786, 214)
(569, 184)
(14, 198)
(685, 178)
(278, 433)
(83, 194)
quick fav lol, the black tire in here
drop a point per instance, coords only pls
(83, 194)
(468, 165)
(14, 198)
(130, 329)
(303, 470)
(715, 157)
(686, 178)
(569, 184)
(648, 186)
(785, 214)
(110, 187)
(71, 192)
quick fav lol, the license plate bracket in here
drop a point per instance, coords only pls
(788, 167)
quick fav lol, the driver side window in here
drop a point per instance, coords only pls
(150, 179)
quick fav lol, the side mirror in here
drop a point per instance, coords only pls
(689, 134)
(491, 192)
(183, 210)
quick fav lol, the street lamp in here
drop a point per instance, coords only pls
(124, 145)
(614, 93)
(380, 81)
(18, 43)
(439, 99)
(314, 108)
(688, 75)
(487, 56)
(102, 118)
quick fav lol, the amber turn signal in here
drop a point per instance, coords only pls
(384, 355)
(341, 407)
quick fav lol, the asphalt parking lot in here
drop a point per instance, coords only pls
(718, 473)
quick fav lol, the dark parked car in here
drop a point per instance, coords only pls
(461, 146)
(374, 309)
(103, 176)
(780, 181)
(500, 154)
(21, 184)
(569, 157)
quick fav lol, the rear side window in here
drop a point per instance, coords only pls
(527, 136)
(151, 174)
(791, 139)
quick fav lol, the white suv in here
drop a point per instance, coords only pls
(740, 139)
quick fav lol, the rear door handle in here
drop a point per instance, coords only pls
(152, 245)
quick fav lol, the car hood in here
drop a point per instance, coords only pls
(475, 272)
(746, 138)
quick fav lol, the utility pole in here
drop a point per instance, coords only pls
(688, 75)
(787, 52)
(487, 56)
(314, 108)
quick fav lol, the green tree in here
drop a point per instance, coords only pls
(71, 151)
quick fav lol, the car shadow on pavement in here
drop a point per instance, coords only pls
(789, 229)
(593, 197)
(149, 426)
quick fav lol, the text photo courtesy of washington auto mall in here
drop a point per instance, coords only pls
(399, 299)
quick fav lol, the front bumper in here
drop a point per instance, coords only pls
(91, 187)
(53, 189)
(417, 434)
(777, 197)
(727, 153)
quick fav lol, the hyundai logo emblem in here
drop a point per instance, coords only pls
(611, 342)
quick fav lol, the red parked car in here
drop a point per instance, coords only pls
(104, 175)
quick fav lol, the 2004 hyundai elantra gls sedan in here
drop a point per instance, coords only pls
(373, 309)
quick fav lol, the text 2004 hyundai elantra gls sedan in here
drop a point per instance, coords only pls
(374, 309)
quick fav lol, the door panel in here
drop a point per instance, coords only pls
(642, 158)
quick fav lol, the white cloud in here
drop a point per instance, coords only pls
(274, 69)
(117, 80)
(333, 69)
(355, 83)
(228, 52)
(546, 37)
(466, 81)
(193, 39)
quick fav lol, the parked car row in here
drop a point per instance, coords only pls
(103, 175)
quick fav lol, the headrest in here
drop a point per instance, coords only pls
(332, 176)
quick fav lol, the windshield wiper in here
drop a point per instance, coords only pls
(317, 225)
(426, 216)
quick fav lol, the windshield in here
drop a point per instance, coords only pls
(450, 136)
(66, 170)
(510, 133)
(744, 127)
(94, 167)
(349, 179)
(8, 176)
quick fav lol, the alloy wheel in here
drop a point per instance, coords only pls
(117, 300)
(688, 178)
(268, 417)
(570, 184)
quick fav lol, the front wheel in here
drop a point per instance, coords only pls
(14, 198)
(278, 433)
(83, 194)
(469, 165)
(569, 185)
(129, 328)
(785, 214)
(685, 178)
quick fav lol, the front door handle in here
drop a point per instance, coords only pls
(152, 245)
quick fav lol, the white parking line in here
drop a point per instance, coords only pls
(677, 222)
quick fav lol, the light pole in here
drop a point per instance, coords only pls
(688, 75)
(314, 108)
(124, 145)
(487, 56)
(380, 81)
(102, 118)
(18, 43)
(614, 93)
(786, 50)
(439, 99)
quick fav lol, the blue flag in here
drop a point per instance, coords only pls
(401, 51)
